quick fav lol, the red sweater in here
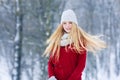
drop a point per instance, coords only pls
(70, 65)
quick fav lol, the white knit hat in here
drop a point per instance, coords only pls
(69, 15)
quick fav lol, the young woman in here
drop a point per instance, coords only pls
(67, 48)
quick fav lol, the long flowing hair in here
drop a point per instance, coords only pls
(80, 38)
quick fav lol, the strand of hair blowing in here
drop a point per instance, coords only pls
(53, 42)
(92, 43)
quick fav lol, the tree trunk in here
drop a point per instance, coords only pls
(17, 43)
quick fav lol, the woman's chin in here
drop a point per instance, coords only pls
(67, 31)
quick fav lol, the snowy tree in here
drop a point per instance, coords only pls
(17, 43)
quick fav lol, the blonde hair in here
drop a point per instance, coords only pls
(80, 38)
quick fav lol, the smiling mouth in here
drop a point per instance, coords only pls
(68, 29)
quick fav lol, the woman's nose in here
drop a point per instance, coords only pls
(67, 24)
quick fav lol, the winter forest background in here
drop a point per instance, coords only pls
(26, 24)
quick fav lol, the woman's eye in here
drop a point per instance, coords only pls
(64, 23)
(70, 22)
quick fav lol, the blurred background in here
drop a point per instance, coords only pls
(26, 24)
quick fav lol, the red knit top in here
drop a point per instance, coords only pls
(70, 65)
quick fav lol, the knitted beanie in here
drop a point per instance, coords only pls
(69, 15)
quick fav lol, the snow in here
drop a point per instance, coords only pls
(4, 75)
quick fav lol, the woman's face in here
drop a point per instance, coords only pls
(67, 26)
